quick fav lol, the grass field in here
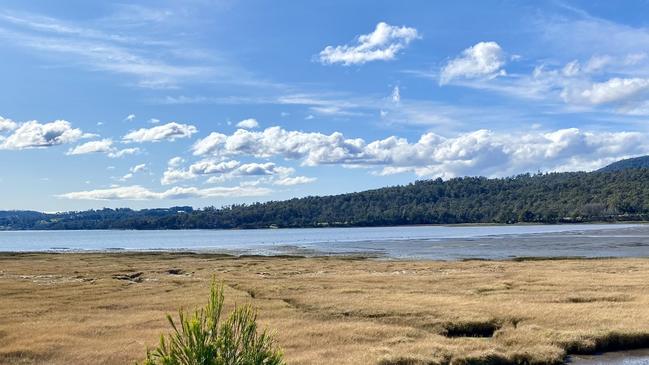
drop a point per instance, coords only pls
(107, 308)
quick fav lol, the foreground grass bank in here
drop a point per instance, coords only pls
(107, 308)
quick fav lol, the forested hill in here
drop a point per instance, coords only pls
(629, 163)
(546, 198)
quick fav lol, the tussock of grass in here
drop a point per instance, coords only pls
(202, 339)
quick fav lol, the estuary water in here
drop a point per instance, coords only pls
(411, 242)
(633, 357)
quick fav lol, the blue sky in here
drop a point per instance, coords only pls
(160, 103)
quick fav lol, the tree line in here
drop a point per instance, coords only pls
(540, 198)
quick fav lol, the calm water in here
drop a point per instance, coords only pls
(635, 357)
(426, 242)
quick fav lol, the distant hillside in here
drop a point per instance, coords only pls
(545, 198)
(629, 163)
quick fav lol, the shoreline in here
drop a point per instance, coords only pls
(517, 224)
(224, 255)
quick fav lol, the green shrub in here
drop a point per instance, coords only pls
(203, 339)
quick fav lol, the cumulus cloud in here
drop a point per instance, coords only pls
(316, 148)
(169, 132)
(102, 146)
(617, 83)
(208, 144)
(40, 135)
(483, 60)
(134, 170)
(297, 180)
(174, 174)
(7, 125)
(383, 44)
(130, 118)
(248, 124)
(256, 169)
(611, 91)
(224, 170)
(175, 161)
(117, 153)
(137, 192)
(480, 152)
(207, 167)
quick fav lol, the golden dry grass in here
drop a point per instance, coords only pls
(71, 309)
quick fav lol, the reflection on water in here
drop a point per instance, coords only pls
(424, 242)
(635, 357)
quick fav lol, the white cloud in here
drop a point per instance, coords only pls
(40, 135)
(275, 141)
(480, 152)
(225, 170)
(207, 167)
(175, 161)
(396, 95)
(124, 152)
(169, 132)
(134, 170)
(7, 125)
(126, 177)
(102, 146)
(571, 68)
(297, 180)
(137, 192)
(611, 91)
(483, 60)
(206, 145)
(105, 50)
(248, 124)
(603, 83)
(174, 174)
(130, 118)
(333, 110)
(256, 169)
(138, 168)
(383, 44)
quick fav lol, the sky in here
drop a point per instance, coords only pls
(215, 102)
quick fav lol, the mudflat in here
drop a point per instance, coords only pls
(107, 308)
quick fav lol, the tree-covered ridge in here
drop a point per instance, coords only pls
(544, 198)
(629, 163)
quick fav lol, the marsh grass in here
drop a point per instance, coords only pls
(202, 338)
(61, 309)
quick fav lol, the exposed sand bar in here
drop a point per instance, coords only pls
(99, 309)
